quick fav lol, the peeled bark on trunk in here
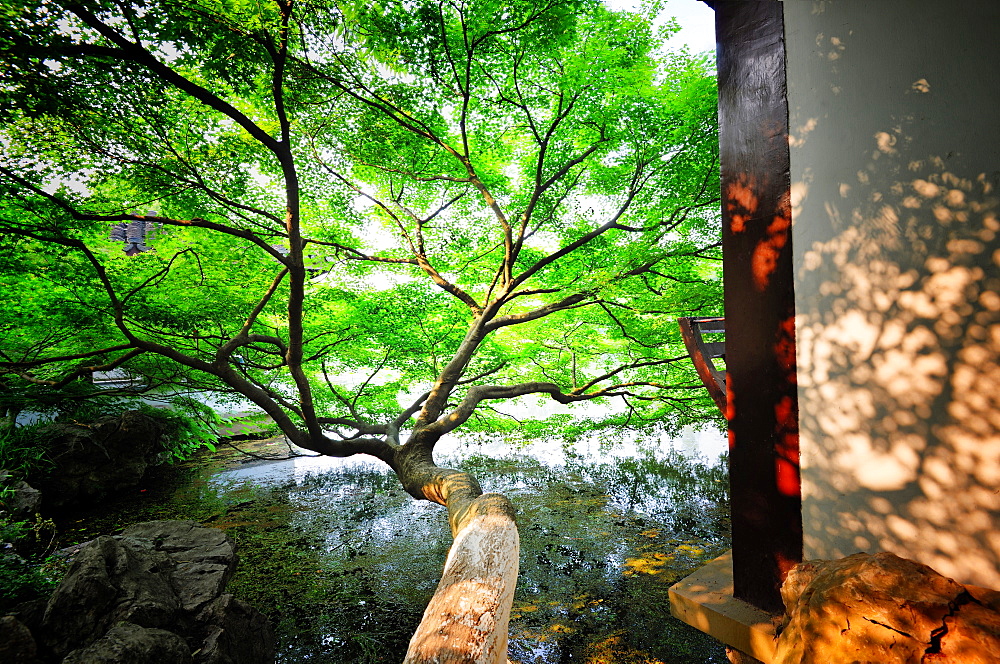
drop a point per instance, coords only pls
(466, 620)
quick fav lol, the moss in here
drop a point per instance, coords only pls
(22, 581)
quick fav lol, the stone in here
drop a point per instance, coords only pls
(92, 460)
(112, 579)
(24, 501)
(739, 657)
(17, 645)
(30, 613)
(883, 609)
(204, 558)
(240, 634)
(141, 595)
(128, 643)
(972, 633)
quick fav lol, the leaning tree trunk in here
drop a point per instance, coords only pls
(466, 620)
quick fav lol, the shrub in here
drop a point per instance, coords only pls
(23, 451)
(188, 425)
(24, 579)
(21, 581)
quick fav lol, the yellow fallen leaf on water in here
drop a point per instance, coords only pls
(615, 650)
(646, 564)
(691, 550)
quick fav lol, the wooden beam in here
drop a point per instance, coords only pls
(762, 405)
(702, 354)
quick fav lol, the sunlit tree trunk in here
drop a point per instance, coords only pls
(466, 620)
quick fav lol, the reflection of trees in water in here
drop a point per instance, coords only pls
(902, 342)
(581, 526)
(608, 539)
(675, 489)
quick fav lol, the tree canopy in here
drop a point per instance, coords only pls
(374, 220)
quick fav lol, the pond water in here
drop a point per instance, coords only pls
(343, 561)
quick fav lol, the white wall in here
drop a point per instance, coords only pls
(895, 154)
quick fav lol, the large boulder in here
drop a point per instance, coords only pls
(159, 588)
(113, 579)
(884, 609)
(98, 458)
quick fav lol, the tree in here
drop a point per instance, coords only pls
(440, 204)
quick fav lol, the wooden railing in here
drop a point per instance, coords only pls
(703, 353)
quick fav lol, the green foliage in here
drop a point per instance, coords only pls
(11, 531)
(188, 425)
(21, 581)
(354, 203)
(22, 451)
(24, 573)
(33, 538)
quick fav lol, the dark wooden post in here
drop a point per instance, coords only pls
(762, 405)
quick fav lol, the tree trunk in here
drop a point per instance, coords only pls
(466, 620)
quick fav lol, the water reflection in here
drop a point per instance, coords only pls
(690, 442)
(344, 561)
(603, 537)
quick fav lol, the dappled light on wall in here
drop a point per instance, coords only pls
(903, 379)
(896, 212)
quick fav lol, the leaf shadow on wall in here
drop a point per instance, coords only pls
(901, 344)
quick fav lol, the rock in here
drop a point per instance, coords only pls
(971, 636)
(112, 579)
(885, 609)
(204, 558)
(17, 645)
(94, 459)
(128, 643)
(24, 501)
(739, 657)
(240, 634)
(30, 613)
(134, 597)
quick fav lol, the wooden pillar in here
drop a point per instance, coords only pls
(762, 406)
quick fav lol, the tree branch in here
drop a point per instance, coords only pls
(136, 53)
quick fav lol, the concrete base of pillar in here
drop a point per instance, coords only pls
(705, 601)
